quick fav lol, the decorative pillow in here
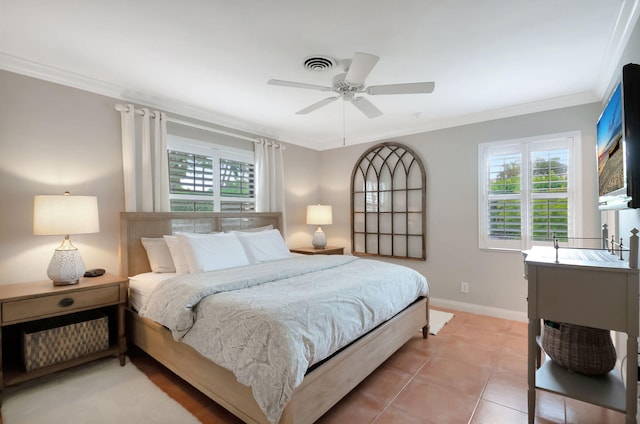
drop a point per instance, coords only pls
(264, 246)
(179, 259)
(208, 252)
(158, 254)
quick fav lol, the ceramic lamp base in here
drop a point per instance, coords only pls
(66, 267)
(319, 240)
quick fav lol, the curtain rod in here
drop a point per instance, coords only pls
(121, 108)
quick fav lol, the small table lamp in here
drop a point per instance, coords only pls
(319, 215)
(64, 215)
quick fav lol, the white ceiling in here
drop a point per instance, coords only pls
(211, 59)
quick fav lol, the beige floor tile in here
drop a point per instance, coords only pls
(519, 329)
(408, 360)
(355, 408)
(585, 413)
(459, 348)
(512, 363)
(437, 403)
(465, 377)
(481, 336)
(427, 346)
(384, 385)
(511, 391)
(507, 390)
(486, 323)
(492, 413)
(394, 415)
(516, 344)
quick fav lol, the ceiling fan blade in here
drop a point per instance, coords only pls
(366, 107)
(408, 88)
(298, 85)
(317, 105)
(361, 65)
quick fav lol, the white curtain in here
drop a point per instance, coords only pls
(269, 176)
(144, 160)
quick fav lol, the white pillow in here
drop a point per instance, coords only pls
(158, 254)
(264, 246)
(179, 259)
(208, 252)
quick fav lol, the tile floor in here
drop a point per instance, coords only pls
(473, 371)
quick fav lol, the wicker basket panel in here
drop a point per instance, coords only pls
(60, 339)
(579, 349)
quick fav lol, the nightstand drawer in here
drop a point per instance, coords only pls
(38, 307)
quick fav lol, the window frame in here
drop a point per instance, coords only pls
(217, 153)
(572, 141)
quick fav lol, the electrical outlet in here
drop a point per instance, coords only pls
(464, 287)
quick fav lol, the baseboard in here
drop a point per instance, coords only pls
(479, 309)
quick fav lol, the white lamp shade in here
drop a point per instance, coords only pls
(61, 215)
(319, 215)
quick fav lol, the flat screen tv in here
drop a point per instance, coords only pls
(618, 144)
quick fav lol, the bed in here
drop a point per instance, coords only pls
(323, 385)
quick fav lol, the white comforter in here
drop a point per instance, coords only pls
(268, 323)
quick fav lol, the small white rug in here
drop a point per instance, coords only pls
(101, 392)
(437, 320)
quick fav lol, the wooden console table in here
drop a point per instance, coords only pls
(590, 288)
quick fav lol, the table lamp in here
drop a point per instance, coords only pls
(64, 215)
(319, 215)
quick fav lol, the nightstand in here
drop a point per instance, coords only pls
(329, 250)
(37, 302)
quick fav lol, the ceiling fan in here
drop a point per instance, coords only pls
(347, 85)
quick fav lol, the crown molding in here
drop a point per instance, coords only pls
(59, 76)
(458, 121)
(82, 82)
(609, 69)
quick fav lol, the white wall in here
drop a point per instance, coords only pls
(303, 177)
(450, 157)
(52, 139)
(55, 138)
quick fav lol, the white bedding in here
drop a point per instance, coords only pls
(269, 322)
(141, 286)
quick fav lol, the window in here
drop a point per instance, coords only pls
(204, 177)
(528, 191)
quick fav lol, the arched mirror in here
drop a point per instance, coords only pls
(388, 202)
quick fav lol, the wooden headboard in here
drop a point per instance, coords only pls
(134, 225)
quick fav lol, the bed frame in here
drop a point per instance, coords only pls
(321, 388)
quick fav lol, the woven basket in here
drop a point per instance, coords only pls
(579, 349)
(59, 339)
